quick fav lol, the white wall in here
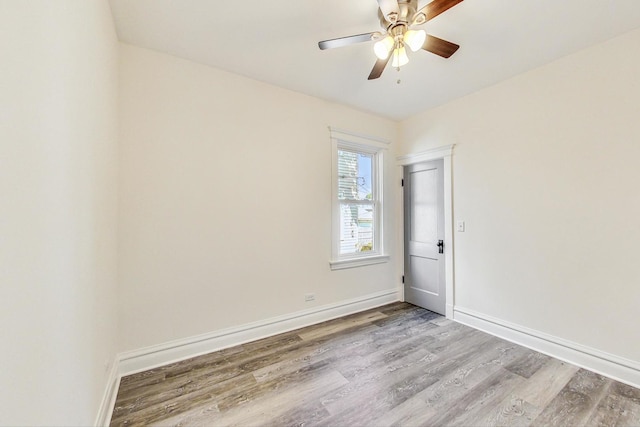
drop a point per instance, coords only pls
(547, 178)
(58, 204)
(226, 200)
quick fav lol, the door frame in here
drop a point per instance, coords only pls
(445, 153)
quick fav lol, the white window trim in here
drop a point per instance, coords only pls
(377, 147)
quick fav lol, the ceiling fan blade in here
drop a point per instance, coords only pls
(388, 7)
(435, 8)
(379, 67)
(345, 41)
(440, 47)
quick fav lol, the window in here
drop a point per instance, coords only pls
(357, 201)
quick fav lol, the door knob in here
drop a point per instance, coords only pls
(440, 246)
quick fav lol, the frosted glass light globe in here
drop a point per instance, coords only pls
(382, 48)
(415, 39)
(400, 57)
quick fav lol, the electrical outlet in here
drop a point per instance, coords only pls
(310, 297)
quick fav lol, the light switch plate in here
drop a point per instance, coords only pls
(460, 226)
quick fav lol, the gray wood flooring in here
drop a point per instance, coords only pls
(397, 365)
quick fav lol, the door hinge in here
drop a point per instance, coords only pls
(402, 182)
(402, 279)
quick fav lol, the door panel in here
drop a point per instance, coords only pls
(424, 228)
(424, 217)
(422, 270)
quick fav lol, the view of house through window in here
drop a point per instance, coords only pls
(356, 194)
(357, 199)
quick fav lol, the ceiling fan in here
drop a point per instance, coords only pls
(399, 19)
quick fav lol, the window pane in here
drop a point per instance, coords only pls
(356, 228)
(355, 176)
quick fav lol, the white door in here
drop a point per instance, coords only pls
(424, 281)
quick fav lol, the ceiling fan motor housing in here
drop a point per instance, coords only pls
(406, 12)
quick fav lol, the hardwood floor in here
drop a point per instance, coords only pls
(392, 366)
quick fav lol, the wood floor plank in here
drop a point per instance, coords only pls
(479, 401)
(476, 370)
(619, 407)
(376, 385)
(568, 408)
(416, 315)
(375, 399)
(146, 413)
(333, 327)
(353, 344)
(630, 414)
(576, 402)
(141, 380)
(301, 415)
(627, 391)
(412, 412)
(280, 383)
(609, 411)
(543, 386)
(360, 341)
(359, 367)
(441, 321)
(263, 410)
(511, 411)
(158, 396)
(397, 365)
(458, 371)
(396, 307)
(530, 365)
(223, 365)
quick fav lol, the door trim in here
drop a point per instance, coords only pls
(445, 153)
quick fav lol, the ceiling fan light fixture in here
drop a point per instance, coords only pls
(415, 39)
(383, 48)
(400, 57)
(399, 21)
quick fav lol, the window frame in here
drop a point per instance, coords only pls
(376, 149)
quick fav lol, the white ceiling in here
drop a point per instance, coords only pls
(276, 42)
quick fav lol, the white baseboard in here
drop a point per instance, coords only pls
(615, 367)
(109, 396)
(174, 351)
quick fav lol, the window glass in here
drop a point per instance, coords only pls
(357, 208)
(356, 228)
(354, 175)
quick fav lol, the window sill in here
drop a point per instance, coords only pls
(358, 262)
